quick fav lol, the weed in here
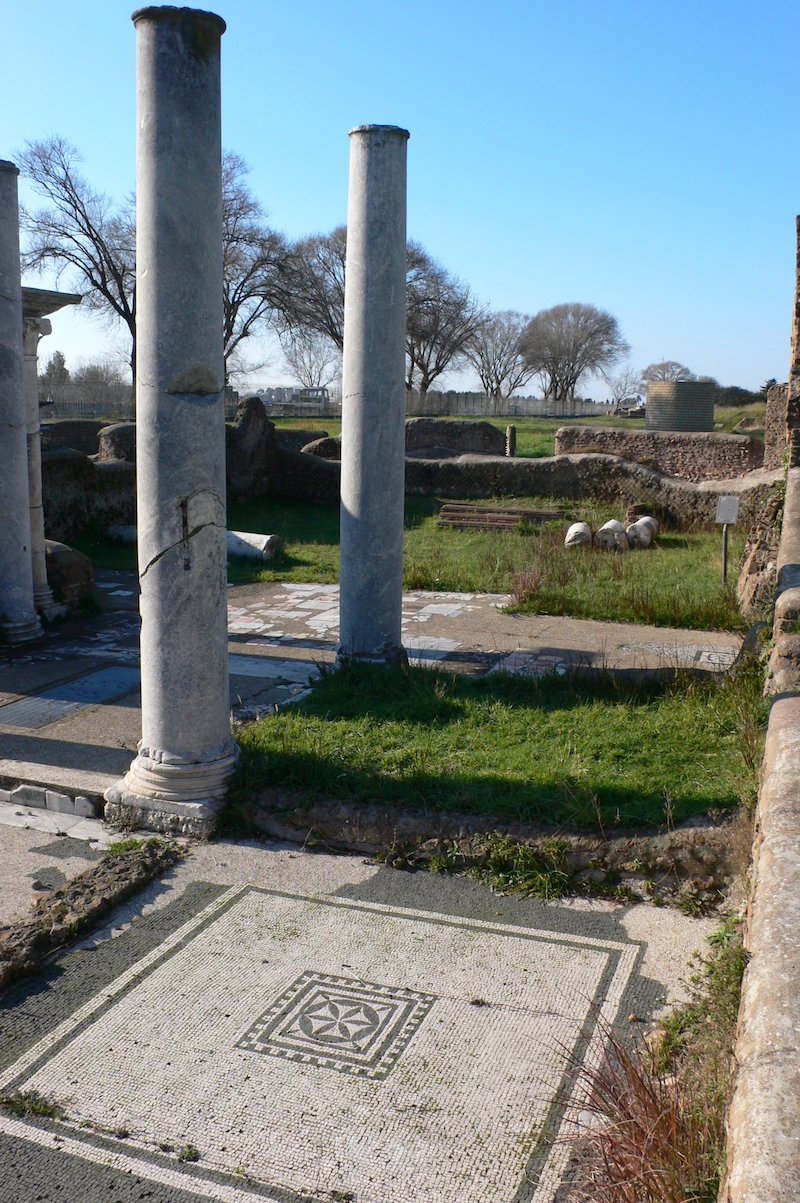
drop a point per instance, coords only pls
(648, 1142)
(659, 1111)
(189, 1152)
(118, 847)
(29, 1102)
(513, 868)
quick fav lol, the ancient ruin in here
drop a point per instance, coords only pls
(373, 430)
(186, 755)
(19, 621)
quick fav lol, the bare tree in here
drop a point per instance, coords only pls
(494, 352)
(625, 387)
(314, 359)
(442, 318)
(81, 233)
(256, 271)
(570, 341)
(317, 271)
(84, 234)
(667, 369)
(441, 314)
(97, 371)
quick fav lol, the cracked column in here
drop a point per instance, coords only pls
(19, 621)
(186, 755)
(373, 397)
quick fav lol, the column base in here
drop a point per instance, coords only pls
(47, 605)
(174, 797)
(390, 655)
(21, 632)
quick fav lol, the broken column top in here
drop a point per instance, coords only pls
(169, 12)
(380, 129)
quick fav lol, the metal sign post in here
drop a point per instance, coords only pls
(727, 514)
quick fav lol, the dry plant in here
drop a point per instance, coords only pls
(652, 1118)
(647, 1141)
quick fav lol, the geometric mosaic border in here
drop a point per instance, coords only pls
(340, 1023)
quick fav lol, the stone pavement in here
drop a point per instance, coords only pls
(268, 1023)
(69, 704)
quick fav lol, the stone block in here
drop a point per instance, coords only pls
(85, 807)
(69, 573)
(62, 804)
(28, 795)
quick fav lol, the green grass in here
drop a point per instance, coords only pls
(675, 583)
(727, 417)
(584, 754)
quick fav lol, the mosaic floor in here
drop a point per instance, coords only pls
(308, 1048)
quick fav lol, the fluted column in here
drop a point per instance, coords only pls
(187, 754)
(19, 621)
(373, 397)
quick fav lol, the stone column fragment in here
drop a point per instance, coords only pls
(373, 397)
(187, 754)
(18, 619)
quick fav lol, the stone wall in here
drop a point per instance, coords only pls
(481, 438)
(78, 433)
(79, 492)
(697, 456)
(776, 425)
(763, 1161)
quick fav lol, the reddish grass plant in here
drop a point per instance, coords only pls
(645, 1136)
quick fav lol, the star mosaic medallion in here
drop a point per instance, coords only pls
(339, 1023)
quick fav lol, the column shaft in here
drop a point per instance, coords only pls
(18, 619)
(33, 328)
(186, 755)
(373, 397)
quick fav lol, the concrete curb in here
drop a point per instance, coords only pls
(763, 1127)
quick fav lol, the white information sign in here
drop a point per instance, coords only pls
(727, 510)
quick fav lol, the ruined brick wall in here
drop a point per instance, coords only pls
(697, 456)
(776, 425)
(469, 436)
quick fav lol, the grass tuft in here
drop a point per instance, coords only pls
(24, 1103)
(658, 1130)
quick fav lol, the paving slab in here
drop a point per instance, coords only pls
(312, 1028)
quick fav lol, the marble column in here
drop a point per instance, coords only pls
(186, 755)
(34, 328)
(19, 621)
(373, 397)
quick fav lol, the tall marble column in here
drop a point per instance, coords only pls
(34, 328)
(186, 755)
(373, 397)
(18, 618)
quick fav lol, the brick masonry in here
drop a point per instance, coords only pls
(80, 492)
(696, 456)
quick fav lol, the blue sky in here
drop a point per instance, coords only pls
(635, 155)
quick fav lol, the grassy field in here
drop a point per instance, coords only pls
(555, 751)
(675, 583)
(536, 436)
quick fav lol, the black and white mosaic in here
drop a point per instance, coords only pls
(338, 1023)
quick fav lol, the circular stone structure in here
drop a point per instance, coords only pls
(680, 405)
